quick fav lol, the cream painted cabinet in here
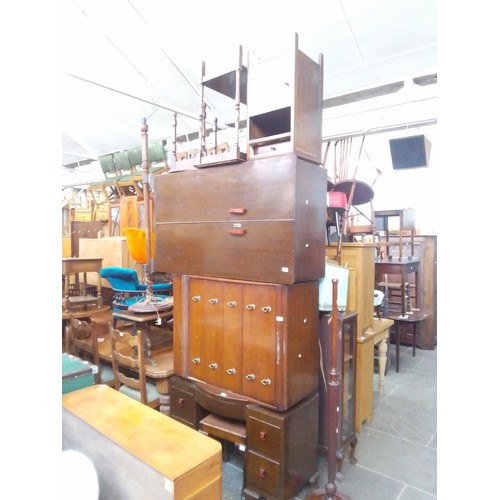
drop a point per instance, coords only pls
(360, 260)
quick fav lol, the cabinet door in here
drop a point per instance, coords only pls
(259, 343)
(231, 353)
(206, 330)
(348, 378)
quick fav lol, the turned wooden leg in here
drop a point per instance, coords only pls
(352, 458)
(340, 461)
(382, 362)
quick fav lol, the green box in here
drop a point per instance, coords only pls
(76, 373)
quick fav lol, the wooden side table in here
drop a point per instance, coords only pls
(413, 319)
(84, 265)
(145, 319)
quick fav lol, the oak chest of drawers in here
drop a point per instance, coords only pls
(263, 220)
(255, 340)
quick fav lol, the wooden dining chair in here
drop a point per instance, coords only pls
(129, 368)
(82, 341)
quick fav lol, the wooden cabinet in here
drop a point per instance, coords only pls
(347, 358)
(427, 244)
(285, 95)
(280, 454)
(257, 340)
(360, 260)
(262, 221)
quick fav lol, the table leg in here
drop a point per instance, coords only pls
(148, 357)
(99, 291)
(416, 291)
(66, 292)
(382, 362)
(398, 338)
(414, 336)
(404, 277)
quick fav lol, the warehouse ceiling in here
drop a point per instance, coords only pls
(125, 60)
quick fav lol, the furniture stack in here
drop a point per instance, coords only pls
(244, 241)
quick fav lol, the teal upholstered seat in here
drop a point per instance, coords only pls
(123, 279)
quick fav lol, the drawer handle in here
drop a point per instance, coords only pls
(231, 303)
(196, 360)
(239, 211)
(196, 298)
(213, 301)
(262, 473)
(266, 381)
(238, 232)
(250, 376)
(262, 436)
(213, 366)
(181, 402)
(250, 307)
(266, 309)
(231, 371)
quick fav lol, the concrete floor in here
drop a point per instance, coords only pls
(396, 452)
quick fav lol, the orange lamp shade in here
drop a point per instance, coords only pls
(136, 242)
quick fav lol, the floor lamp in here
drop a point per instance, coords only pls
(150, 303)
(334, 400)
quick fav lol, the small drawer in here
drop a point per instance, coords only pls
(262, 474)
(265, 438)
(271, 148)
(183, 405)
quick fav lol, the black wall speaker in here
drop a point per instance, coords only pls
(410, 152)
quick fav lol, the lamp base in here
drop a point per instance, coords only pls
(320, 494)
(150, 306)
